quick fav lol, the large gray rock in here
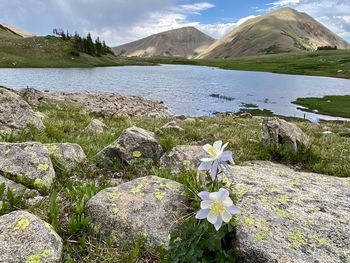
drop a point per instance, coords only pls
(290, 216)
(24, 238)
(280, 132)
(95, 127)
(185, 157)
(148, 206)
(134, 145)
(69, 155)
(28, 164)
(15, 113)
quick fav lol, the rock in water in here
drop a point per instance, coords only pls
(183, 156)
(26, 238)
(95, 127)
(280, 132)
(135, 144)
(69, 155)
(148, 206)
(290, 216)
(15, 113)
(28, 164)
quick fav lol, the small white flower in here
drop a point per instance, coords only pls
(217, 207)
(218, 159)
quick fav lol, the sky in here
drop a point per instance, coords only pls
(122, 21)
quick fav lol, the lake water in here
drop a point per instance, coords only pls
(186, 89)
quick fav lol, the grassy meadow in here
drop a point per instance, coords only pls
(329, 154)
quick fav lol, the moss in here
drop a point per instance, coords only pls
(136, 189)
(321, 240)
(159, 195)
(282, 198)
(137, 154)
(262, 235)
(247, 220)
(22, 224)
(37, 258)
(282, 213)
(297, 238)
(115, 209)
(264, 199)
(43, 167)
(114, 196)
(40, 184)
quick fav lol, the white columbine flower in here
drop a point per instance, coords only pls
(217, 207)
(218, 159)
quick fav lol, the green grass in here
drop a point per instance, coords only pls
(334, 63)
(48, 52)
(65, 208)
(338, 106)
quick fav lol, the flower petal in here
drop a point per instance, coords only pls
(223, 194)
(206, 204)
(204, 195)
(223, 147)
(226, 216)
(214, 196)
(205, 166)
(217, 145)
(206, 147)
(214, 170)
(227, 202)
(212, 218)
(227, 157)
(210, 159)
(218, 223)
(233, 210)
(203, 213)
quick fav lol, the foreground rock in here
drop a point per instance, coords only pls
(104, 104)
(290, 216)
(69, 155)
(280, 132)
(15, 113)
(134, 145)
(28, 164)
(95, 127)
(26, 238)
(183, 157)
(148, 206)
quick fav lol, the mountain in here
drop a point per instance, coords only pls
(15, 31)
(182, 42)
(283, 30)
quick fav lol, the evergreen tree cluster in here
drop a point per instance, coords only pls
(85, 44)
(327, 48)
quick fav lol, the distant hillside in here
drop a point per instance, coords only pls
(49, 51)
(182, 42)
(281, 31)
(16, 31)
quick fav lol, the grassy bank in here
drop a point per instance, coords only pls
(335, 63)
(49, 52)
(338, 106)
(328, 154)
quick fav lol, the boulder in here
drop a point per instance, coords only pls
(134, 145)
(95, 127)
(172, 126)
(26, 238)
(148, 206)
(183, 156)
(280, 132)
(15, 113)
(33, 96)
(290, 216)
(69, 155)
(28, 164)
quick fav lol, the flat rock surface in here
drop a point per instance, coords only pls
(102, 103)
(28, 164)
(15, 113)
(26, 238)
(290, 216)
(148, 206)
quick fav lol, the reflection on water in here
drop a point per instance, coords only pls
(186, 89)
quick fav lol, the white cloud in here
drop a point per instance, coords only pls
(282, 3)
(195, 8)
